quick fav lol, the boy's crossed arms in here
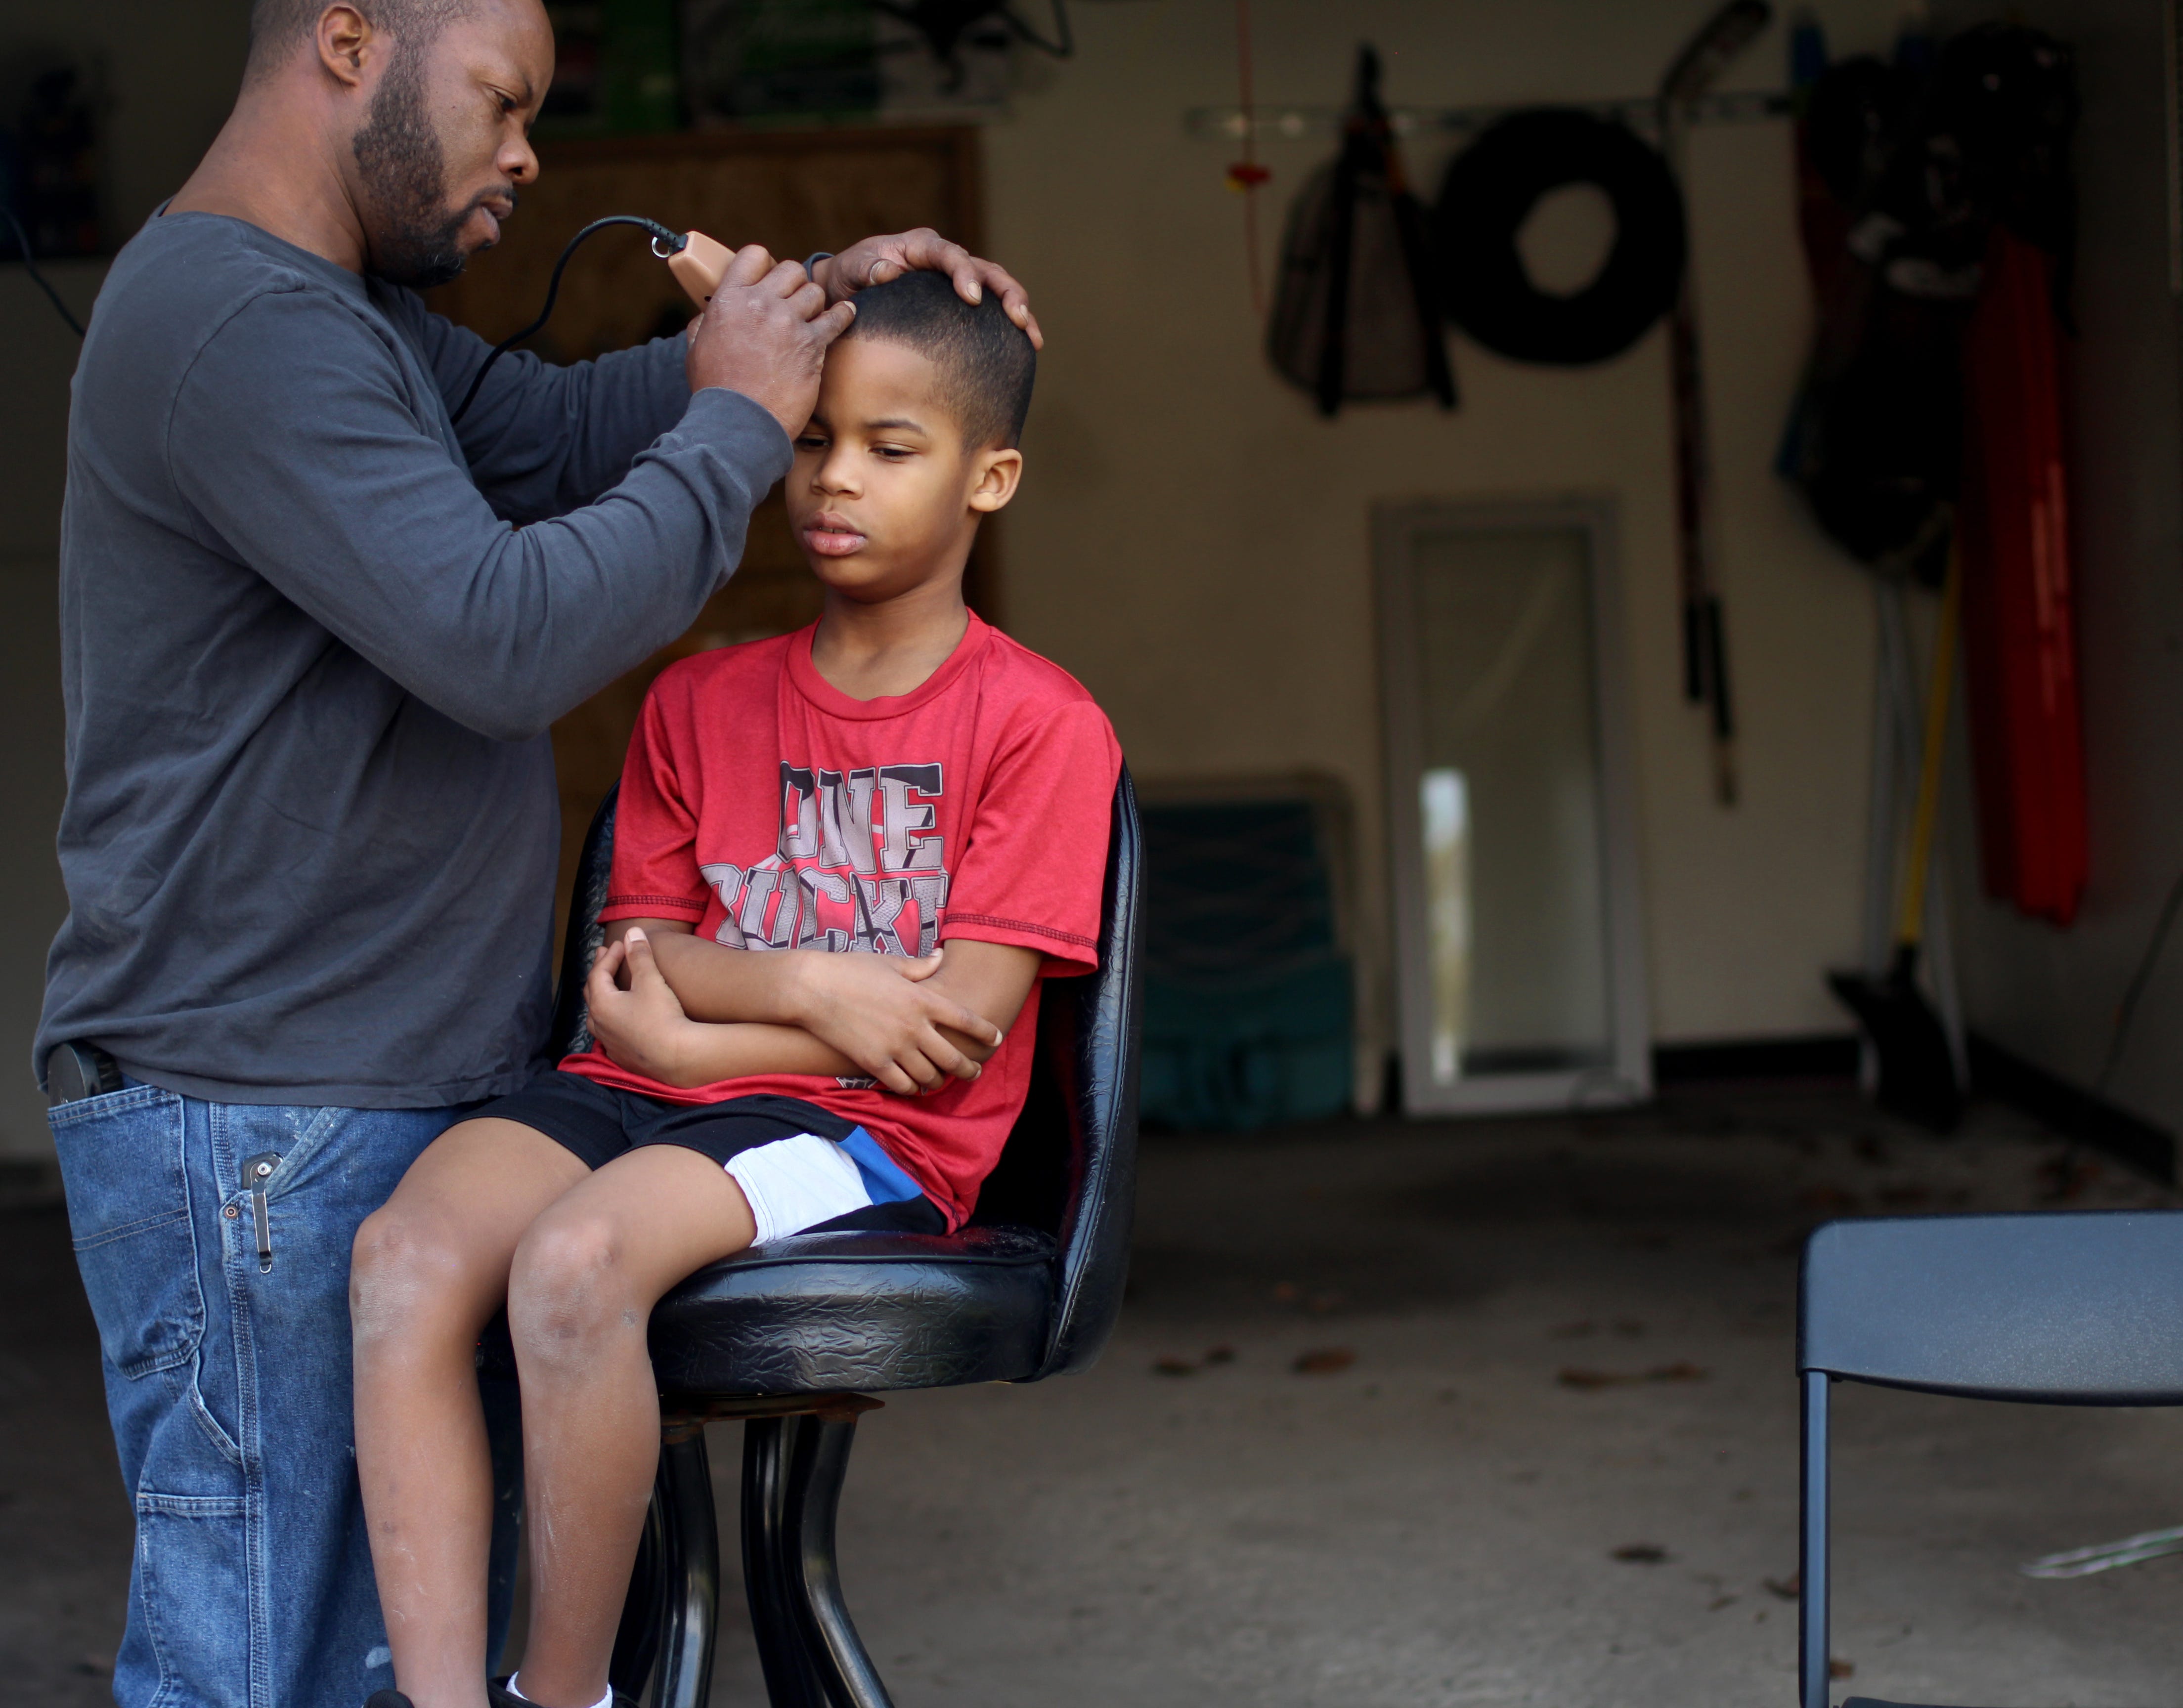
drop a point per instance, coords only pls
(676, 1008)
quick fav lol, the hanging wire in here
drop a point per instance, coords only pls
(675, 242)
(1246, 174)
(2134, 993)
(30, 266)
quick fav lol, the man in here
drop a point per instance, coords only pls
(312, 635)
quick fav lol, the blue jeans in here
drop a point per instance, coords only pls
(227, 1381)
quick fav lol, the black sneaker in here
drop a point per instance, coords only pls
(387, 1699)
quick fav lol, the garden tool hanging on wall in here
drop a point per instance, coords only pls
(1357, 313)
(1939, 222)
(1696, 69)
(1920, 1076)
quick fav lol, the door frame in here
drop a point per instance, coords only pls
(1628, 1078)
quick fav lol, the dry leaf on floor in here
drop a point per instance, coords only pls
(1640, 1554)
(1174, 1367)
(1841, 1669)
(1573, 1376)
(1323, 1361)
(1788, 1588)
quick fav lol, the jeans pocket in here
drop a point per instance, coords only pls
(124, 1167)
(192, 1596)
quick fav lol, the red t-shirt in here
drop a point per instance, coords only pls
(773, 811)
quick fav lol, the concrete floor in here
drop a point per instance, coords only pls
(1437, 1521)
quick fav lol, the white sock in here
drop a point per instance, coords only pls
(514, 1688)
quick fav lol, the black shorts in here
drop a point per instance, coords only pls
(599, 1122)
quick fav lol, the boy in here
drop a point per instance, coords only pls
(898, 802)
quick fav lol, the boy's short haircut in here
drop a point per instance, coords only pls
(986, 360)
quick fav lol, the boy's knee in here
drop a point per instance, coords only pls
(404, 1270)
(569, 1286)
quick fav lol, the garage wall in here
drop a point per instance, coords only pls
(1192, 538)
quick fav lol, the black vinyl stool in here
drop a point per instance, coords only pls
(2075, 1308)
(788, 1335)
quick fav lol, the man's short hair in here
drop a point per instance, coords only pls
(279, 27)
(986, 360)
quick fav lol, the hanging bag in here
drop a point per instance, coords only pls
(1356, 315)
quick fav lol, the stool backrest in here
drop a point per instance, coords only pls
(572, 1032)
(1070, 1168)
(2081, 1308)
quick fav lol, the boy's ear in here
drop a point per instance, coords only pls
(995, 474)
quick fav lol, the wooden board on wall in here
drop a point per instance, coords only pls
(795, 191)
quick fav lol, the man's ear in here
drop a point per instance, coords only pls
(347, 44)
(998, 472)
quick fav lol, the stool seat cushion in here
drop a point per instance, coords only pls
(819, 1313)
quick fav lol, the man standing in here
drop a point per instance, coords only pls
(312, 635)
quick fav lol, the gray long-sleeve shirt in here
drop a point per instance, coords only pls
(312, 637)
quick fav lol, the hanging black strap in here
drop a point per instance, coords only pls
(1357, 155)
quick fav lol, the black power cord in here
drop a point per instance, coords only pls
(30, 266)
(665, 243)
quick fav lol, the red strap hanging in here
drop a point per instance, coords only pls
(1246, 174)
(2019, 624)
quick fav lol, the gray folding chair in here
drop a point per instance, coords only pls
(2081, 1308)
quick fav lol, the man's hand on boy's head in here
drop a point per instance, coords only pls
(876, 260)
(878, 1011)
(763, 333)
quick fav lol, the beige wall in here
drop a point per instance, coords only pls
(1191, 539)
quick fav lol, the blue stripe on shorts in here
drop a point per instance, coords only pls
(884, 1181)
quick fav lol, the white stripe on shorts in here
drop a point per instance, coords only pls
(795, 1184)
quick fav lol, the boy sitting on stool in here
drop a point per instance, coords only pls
(899, 782)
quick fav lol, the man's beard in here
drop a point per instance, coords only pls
(411, 238)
